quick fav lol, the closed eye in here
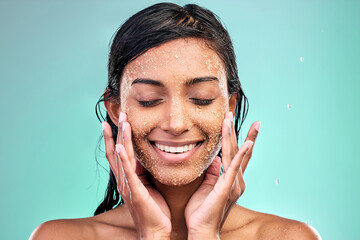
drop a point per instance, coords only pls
(151, 103)
(202, 102)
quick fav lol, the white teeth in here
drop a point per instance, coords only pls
(181, 149)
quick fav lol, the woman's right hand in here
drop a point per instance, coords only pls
(148, 208)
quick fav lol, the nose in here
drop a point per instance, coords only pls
(176, 120)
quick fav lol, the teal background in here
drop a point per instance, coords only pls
(53, 57)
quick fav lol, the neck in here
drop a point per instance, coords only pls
(177, 198)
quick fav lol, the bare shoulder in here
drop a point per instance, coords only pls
(108, 225)
(63, 229)
(249, 224)
(282, 228)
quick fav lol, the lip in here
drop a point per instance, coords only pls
(176, 144)
(173, 158)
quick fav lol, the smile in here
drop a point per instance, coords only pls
(173, 153)
(179, 149)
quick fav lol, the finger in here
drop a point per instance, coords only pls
(252, 136)
(253, 131)
(134, 189)
(215, 167)
(213, 172)
(120, 140)
(122, 182)
(128, 144)
(234, 143)
(140, 170)
(122, 119)
(226, 143)
(132, 179)
(142, 174)
(234, 167)
(110, 148)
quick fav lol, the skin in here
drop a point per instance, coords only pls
(176, 117)
(186, 199)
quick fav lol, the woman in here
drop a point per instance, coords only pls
(170, 129)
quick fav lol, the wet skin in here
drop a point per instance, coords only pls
(176, 95)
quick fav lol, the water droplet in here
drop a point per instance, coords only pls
(301, 59)
(289, 106)
(277, 181)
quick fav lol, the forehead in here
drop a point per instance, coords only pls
(178, 59)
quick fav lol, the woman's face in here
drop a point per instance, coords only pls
(175, 96)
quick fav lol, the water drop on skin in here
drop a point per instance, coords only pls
(277, 181)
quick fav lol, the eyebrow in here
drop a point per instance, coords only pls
(201, 79)
(188, 83)
(147, 81)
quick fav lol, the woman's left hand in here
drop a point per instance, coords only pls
(209, 206)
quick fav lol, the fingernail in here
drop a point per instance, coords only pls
(231, 115)
(121, 117)
(103, 125)
(257, 126)
(123, 127)
(117, 147)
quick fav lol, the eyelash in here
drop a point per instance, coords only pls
(151, 103)
(200, 102)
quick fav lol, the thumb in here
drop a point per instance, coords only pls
(213, 171)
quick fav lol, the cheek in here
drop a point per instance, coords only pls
(210, 118)
(142, 122)
(213, 131)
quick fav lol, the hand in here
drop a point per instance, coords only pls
(209, 206)
(149, 211)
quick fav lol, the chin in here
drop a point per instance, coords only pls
(180, 174)
(177, 173)
(176, 180)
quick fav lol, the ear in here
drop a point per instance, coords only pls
(113, 108)
(233, 103)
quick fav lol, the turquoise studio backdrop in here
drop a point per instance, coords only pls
(299, 65)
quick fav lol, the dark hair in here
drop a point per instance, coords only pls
(151, 27)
